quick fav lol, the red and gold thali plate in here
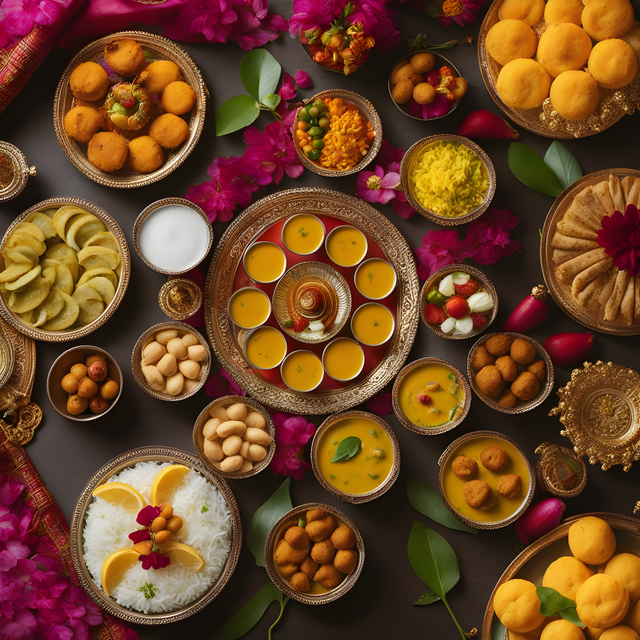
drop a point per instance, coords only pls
(263, 221)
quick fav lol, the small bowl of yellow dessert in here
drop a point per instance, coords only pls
(346, 246)
(343, 359)
(302, 371)
(448, 179)
(375, 279)
(372, 324)
(355, 456)
(249, 308)
(265, 348)
(486, 480)
(303, 234)
(264, 262)
(431, 396)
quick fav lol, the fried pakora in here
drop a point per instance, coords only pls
(464, 467)
(178, 98)
(343, 538)
(481, 358)
(157, 75)
(323, 552)
(489, 381)
(507, 368)
(478, 495)
(169, 131)
(300, 582)
(285, 553)
(107, 151)
(507, 399)
(523, 352)
(345, 561)
(82, 123)
(89, 81)
(145, 154)
(309, 567)
(539, 369)
(328, 576)
(125, 56)
(525, 386)
(493, 458)
(320, 529)
(509, 486)
(499, 344)
(297, 537)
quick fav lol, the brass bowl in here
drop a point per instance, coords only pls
(151, 454)
(440, 61)
(61, 367)
(312, 272)
(76, 331)
(408, 165)
(277, 533)
(522, 406)
(180, 298)
(21, 171)
(147, 337)
(367, 110)
(126, 178)
(198, 438)
(457, 447)
(486, 284)
(426, 431)
(7, 357)
(356, 498)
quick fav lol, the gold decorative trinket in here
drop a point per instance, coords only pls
(14, 171)
(180, 298)
(560, 471)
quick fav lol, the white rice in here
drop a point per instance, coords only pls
(107, 529)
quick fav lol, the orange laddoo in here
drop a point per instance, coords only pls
(82, 123)
(169, 131)
(125, 56)
(107, 151)
(566, 575)
(603, 19)
(563, 47)
(89, 81)
(562, 630)
(517, 606)
(157, 75)
(529, 11)
(592, 540)
(601, 601)
(563, 11)
(145, 154)
(613, 63)
(625, 568)
(510, 39)
(178, 98)
(620, 632)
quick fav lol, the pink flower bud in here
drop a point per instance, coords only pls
(568, 348)
(540, 519)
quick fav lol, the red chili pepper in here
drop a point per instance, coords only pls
(531, 311)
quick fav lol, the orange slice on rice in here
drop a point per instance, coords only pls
(167, 482)
(122, 495)
(115, 567)
(184, 555)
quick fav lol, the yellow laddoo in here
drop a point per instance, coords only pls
(603, 19)
(562, 630)
(523, 84)
(563, 46)
(620, 632)
(82, 123)
(178, 98)
(625, 568)
(602, 602)
(157, 75)
(563, 11)
(510, 39)
(613, 63)
(89, 81)
(145, 154)
(591, 540)
(529, 11)
(565, 575)
(517, 606)
(169, 131)
(632, 618)
(575, 95)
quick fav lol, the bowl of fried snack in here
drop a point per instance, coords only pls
(510, 372)
(314, 554)
(64, 269)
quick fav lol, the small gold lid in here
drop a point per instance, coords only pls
(14, 171)
(180, 298)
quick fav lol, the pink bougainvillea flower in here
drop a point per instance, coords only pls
(292, 433)
(18, 17)
(439, 248)
(211, 19)
(139, 535)
(154, 560)
(274, 150)
(147, 515)
(254, 27)
(310, 13)
(377, 21)
(288, 87)
(620, 237)
(380, 404)
(389, 154)
(22, 625)
(288, 460)
(292, 429)
(376, 186)
(10, 490)
(303, 79)
(462, 12)
(402, 207)
(488, 240)
(221, 384)
(436, 109)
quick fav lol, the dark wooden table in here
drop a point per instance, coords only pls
(68, 453)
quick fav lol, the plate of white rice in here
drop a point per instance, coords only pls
(211, 526)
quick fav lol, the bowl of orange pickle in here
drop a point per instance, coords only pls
(337, 133)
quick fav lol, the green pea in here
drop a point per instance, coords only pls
(325, 123)
(316, 132)
(314, 155)
(313, 112)
(318, 144)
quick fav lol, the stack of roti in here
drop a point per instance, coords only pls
(600, 288)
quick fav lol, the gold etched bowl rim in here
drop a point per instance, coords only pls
(7, 357)
(198, 438)
(472, 435)
(475, 273)
(293, 217)
(19, 161)
(523, 406)
(123, 280)
(371, 303)
(84, 417)
(169, 50)
(402, 418)
(246, 339)
(114, 466)
(292, 354)
(368, 110)
(356, 498)
(334, 230)
(284, 265)
(417, 147)
(338, 339)
(311, 598)
(443, 61)
(136, 357)
(386, 295)
(237, 291)
(152, 208)
(321, 271)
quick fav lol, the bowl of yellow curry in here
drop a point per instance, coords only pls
(355, 456)
(337, 133)
(448, 179)
(430, 396)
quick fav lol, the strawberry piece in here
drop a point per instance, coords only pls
(457, 307)
(478, 320)
(434, 314)
(424, 399)
(467, 289)
(300, 324)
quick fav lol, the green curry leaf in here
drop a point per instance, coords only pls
(259, 72)
(428, 597)
(252, 612)
(553, 603)
(531, 170)
(561, 161)
(347, 448)
(235, 113)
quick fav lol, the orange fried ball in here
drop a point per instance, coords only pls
(343, 538)
(89, 81)
(156, 76)
(507, 399)
(509, 486)
(300, 582)
(345, 561)
(297, 537)
(169, 131)
(523, 352)
(285, 553)
(424, 93)
(328, 576)
(525, 386)
(124, 56)
(288, 569)
(309, 567)
(489, 381)
(481, 358)
(478, 495)
(323, 552)
(539, 369)
(82, 123)
(178, 98)
(145, 154)
(507, 368)
(107, 151)
(464, 467)
(320, 529)
(315, 514)
(499, 344)
(493, 458)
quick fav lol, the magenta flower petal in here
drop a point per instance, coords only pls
(139, 535)
(154, 560)
(303, 79)
(620, 237)
(22, 626)
(380, 404)
(221, 384)
(288, 460)
(438, 249)
(147, 515)
(294, 431)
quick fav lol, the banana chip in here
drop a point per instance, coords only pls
(66, 255)
(64, 215)
(103, 239)
(30, 298)
(20, 254)
(29, 227)
(66, 317)
(82, 230)
(24, 281)
(110, 258)
(90, 303)
(19, 238)
(92, 273)
(104, 287)
(44, 223)
(50, 308)
(15, 270)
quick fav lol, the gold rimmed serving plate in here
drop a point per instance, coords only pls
(326, 277)
(534, 560)
(599, 409)
(227, 259)
(130, 458)
(544, 121)
(126, 178)
(560, 291)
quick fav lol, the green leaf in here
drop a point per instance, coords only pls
(433, 559)
(282, 599)
(235, 113)
(430, 11)
(498, 631)
(553, 603)
(347, 448)
(271, 101)
(531, 170)
(425, 499)
(259, 72)
(250, 614)
(427, 598)
(264, 519)
(563, 164)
